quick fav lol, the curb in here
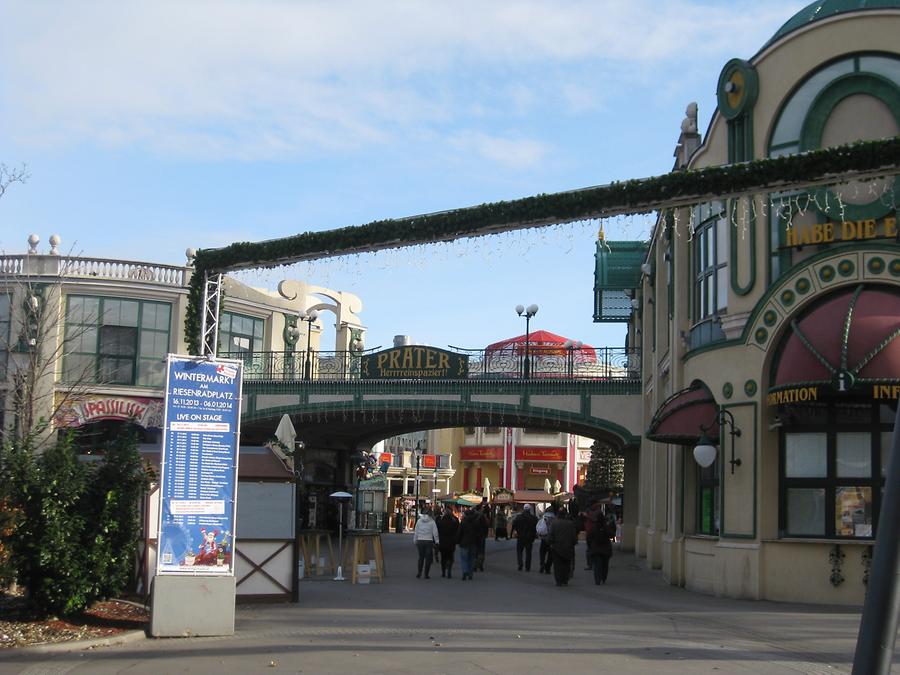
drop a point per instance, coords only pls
(81, 645)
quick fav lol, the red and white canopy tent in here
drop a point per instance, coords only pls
(542, 343)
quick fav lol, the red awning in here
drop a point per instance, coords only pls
(542, 343)
(680, 417)
(856, 331)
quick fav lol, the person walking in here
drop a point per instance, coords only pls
(447, 526)
(500, 523)
(467, 537)
(561, 539)
(592, 516)
(484, 525)
(524, 529)
(425, 536)
(543, 531)
(600, 547)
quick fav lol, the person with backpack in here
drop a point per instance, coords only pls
(524, 529)
(542, 529)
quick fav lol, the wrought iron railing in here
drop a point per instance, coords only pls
(611, 363)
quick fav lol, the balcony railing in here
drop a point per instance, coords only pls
(73, 267)
(610, 363)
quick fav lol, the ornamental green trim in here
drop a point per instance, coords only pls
(733, 244)
(679, 188)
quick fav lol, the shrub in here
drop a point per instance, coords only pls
(77, 524)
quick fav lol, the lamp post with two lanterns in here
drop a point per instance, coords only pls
(418, 453)
(309, 317)
(571, 346)
(528, 312)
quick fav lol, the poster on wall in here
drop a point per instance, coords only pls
(199, 466)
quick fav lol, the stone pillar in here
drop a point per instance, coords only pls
(631, 502)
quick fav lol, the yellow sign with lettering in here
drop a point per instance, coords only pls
(848, 230)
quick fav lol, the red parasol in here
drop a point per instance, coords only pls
(541, 343)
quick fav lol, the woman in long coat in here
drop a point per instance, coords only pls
(448, 526)
(562, 540)
(600, 547)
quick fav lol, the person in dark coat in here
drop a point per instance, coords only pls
(448, 526)
(562, 540)
(600, 547)
(591, 517)
(484, 526)
(467, 537)
(524, 530)
(500, 522)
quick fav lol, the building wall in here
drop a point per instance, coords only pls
(747, 557)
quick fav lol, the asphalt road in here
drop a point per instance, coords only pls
(505, 621)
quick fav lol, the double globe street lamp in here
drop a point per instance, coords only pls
(309, 317)
(418, 453)
(528, 312)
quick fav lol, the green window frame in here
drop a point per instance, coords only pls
(708, 500)
(832, 466)
(239, 333)
(710, 261)
(799, 127)
(116, 341)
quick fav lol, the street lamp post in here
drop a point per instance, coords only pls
(309, 317)
(418, 453)
(571, 346)
(529, 312)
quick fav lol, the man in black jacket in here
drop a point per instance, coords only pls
(562, 539)
(523, 528)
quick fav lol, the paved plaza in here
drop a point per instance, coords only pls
(505, 621)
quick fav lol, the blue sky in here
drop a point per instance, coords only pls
(151, 127)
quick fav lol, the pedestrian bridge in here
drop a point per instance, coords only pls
(351, 400)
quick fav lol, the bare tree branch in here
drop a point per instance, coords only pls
(8, 176)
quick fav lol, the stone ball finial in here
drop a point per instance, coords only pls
(33, 241)
(54, 244)
(190, 254)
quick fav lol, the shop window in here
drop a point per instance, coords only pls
(708, 499)
(116, 341)
(239, 333)
(832, 476)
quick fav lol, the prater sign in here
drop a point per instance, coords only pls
(414, 361)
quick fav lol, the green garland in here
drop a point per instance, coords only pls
(631, 196)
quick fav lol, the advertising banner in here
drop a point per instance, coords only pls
(198, 485)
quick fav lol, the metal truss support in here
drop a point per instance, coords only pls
(209, 324)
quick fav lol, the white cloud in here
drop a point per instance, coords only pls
(272, 79)
(511, 153)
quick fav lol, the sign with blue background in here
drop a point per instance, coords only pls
(198, 487)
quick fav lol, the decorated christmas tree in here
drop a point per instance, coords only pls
(604, 474)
